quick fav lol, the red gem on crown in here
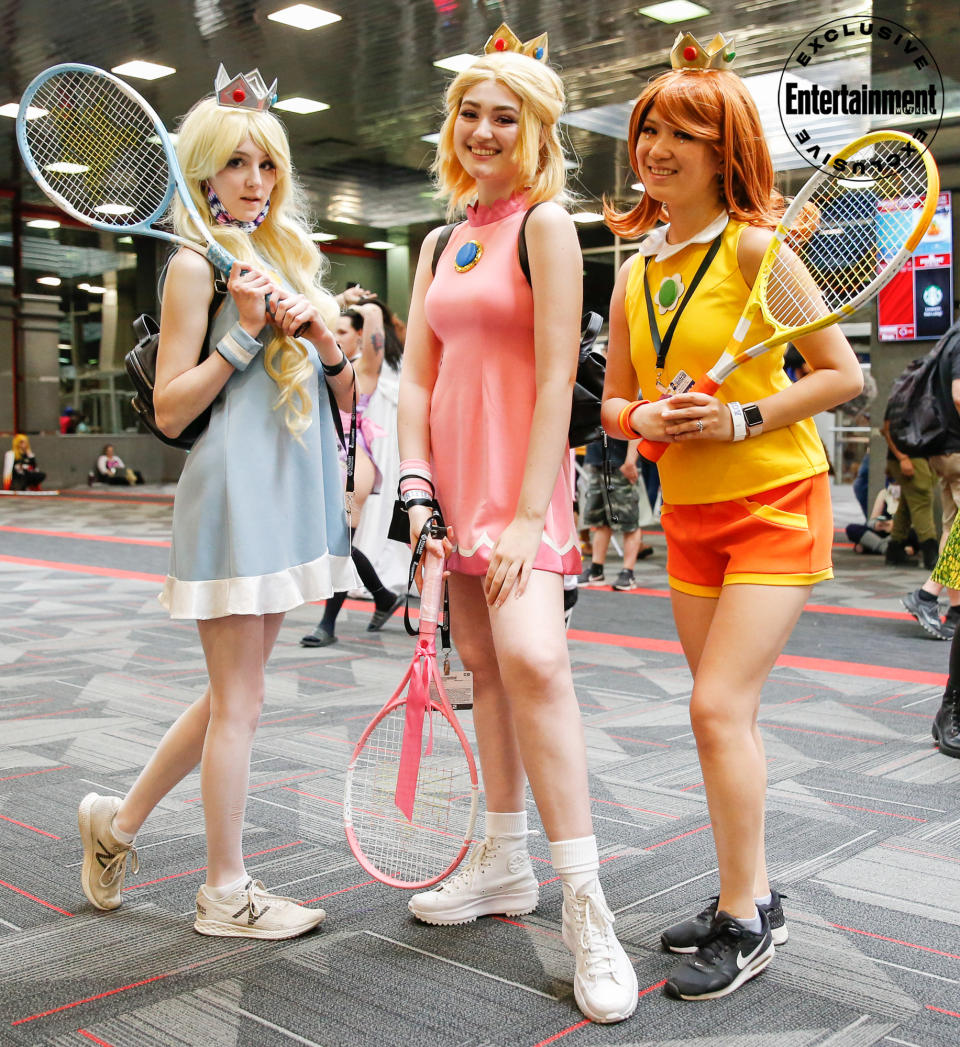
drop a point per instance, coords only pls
(239, 95)
(500, 44)
(689, 53)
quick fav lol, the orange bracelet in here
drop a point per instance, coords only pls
(624, 420)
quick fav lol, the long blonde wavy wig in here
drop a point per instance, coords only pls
(539, 152)
(208, 136)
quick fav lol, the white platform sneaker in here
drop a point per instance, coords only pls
(497, 878)
(605, 983)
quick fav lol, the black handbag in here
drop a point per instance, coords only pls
(585, 424)
(141, 365)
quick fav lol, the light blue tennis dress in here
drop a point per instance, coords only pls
(259, 524)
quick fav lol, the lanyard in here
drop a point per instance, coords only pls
(663, 347)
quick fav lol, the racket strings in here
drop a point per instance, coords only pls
(424, 847)
(837, 247)
(109, 163)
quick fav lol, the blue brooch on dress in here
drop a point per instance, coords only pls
(468, 256)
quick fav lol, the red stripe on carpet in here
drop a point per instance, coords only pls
(940, 1010)
(157, 542)
(579, 1025)
(895, 941)
(131, 985)
(32, 828)
(77, 568)
(34, 898)
(791, 661)
(95, 1039)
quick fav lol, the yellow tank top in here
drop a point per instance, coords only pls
(700, 472)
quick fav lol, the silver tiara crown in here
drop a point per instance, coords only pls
(244, 91)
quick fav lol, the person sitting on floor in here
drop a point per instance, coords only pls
(111, 469)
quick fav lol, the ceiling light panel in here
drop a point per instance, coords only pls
(304, 16)
(143, 70)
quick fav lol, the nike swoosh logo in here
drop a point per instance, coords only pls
(742, 960)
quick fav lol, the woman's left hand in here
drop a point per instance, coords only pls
(511, 560)
(291, 311)
(697, 416)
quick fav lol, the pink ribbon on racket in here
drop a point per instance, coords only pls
(418, 702)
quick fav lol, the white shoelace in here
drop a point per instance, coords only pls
(596, 937)
(114, 868)
(256, 890)
(482, 857)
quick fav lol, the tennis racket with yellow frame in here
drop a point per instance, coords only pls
(829, 255)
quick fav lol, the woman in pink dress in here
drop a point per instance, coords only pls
(485, 395)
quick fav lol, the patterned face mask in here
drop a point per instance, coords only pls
(223, 217)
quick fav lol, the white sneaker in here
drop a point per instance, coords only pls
(104, 856)
(496, 879)
(253, 912)
(605, 984)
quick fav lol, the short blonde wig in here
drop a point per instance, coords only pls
(538, 152)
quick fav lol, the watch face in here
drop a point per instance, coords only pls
(752, 415)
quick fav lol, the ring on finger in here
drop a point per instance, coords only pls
(699, 425)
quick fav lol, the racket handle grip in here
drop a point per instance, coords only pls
(271, 312)
(431, 594)
(653, 450)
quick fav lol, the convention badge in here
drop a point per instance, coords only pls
(459, 688)
(680, 384)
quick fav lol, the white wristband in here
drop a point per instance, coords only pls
(739, 422)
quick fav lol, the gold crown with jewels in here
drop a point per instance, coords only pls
(688, 53)
(505, 39)
(244, 91)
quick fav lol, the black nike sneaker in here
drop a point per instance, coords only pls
(688, 935)
(730, 956)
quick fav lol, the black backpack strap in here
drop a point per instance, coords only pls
(442, 240)
(522, 244)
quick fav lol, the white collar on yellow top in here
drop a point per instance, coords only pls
(656, 242)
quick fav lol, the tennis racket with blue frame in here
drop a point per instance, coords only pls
(100, 152)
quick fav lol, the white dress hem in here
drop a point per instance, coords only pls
(259, 594)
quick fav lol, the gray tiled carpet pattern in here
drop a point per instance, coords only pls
(863, 824)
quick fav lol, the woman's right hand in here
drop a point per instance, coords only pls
(250, 289)
(648, 420)
(420, 516)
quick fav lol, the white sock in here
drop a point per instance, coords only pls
(577, 861)
(217, 894)
(511, 824)
(121, 837)
(765, 900)
(754, 925)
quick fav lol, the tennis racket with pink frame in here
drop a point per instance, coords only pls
(411, 787)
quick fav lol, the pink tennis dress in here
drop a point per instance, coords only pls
(482, 405)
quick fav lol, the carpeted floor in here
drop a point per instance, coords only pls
(863, 823)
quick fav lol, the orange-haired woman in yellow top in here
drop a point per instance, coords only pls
(746, 511)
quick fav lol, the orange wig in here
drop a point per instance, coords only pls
(715, 107)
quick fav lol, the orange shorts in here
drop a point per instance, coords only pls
(782, 536)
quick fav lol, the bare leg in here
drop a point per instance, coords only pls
(531, 647)
(631, 548)
(504, 780)
(236, 650)
(525, 711)
(730, 659)
(600, 542)
(176, 756)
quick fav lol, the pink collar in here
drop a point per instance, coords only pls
(481, 214)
